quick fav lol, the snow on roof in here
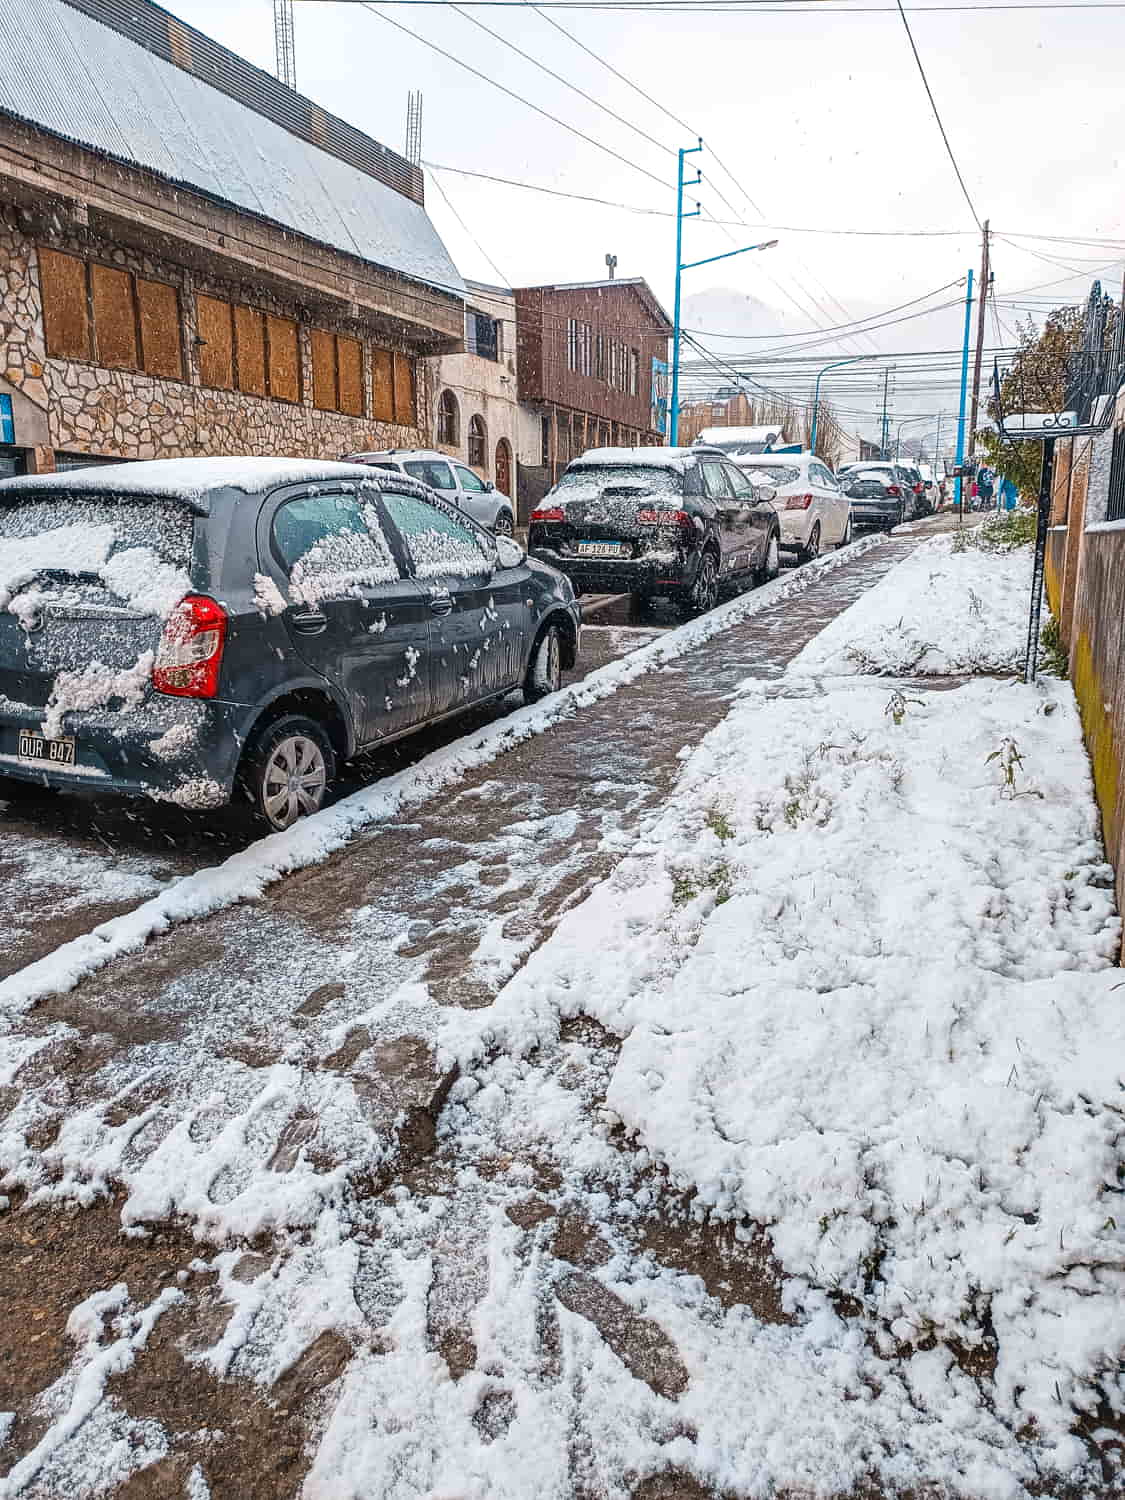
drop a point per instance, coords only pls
(740, 434)
(652, 458)
(186, 479)
(74, 76)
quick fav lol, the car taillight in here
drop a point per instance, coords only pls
(549, 513)
(191, 649)
(918, 488)
(798, 502)
(893, 489)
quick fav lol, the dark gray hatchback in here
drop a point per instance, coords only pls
(183, 629)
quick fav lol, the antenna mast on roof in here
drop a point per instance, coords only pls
(284, 51)
(413, 151)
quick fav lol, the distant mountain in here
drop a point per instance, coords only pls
(722, 310)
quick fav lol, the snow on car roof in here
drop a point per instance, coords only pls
(652, 458)
(187, 479)
(738, 434)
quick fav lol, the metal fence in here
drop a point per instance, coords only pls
(1115, 510)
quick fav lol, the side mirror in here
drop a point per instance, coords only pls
(767, 493)
(489, 486)
(509, 554)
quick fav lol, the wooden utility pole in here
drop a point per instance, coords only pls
(982, 304)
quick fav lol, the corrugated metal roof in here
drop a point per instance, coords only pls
(84, 81)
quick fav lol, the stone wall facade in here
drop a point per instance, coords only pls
(80, 407)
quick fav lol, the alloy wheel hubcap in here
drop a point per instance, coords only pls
(503, 527)
(294, 780)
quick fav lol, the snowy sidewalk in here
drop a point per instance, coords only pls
(717, 1096)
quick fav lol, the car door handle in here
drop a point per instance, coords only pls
(441, 604)
(309, 622)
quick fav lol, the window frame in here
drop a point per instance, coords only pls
(91, 356)
(453, 408)
(476, 440)
(360, 500)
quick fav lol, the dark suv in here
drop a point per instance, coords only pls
(674, 522)
(178, 629)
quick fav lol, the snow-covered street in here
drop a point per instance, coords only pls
(703, 1085)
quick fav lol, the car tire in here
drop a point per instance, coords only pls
(771, 567)
(288, 771)
(847, 536)
(544, 670)
(703, 595)
(811, 550)
(504, 524)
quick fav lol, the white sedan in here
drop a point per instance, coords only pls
(813, 510)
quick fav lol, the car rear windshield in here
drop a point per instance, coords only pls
(594, 478)
(773, 473)
(735, 446)
(95, 549)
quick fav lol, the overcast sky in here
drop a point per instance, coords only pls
(822, 118)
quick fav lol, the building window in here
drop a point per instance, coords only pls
(572, 342)
(392, 387)
(587, 349)
(545, 441)
(449, 420)
(599, 356)
(97, 312)
(337, 372)
(482, 335)
(241, 349)
(478, 443)
(634, 372)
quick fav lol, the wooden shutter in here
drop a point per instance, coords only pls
(404, 391)
(324, 369)
(115, 318)
(250, 350)
(284, 359)
(349, 356)
(216, 364)
(66, 316)
(383, 385)
(161, 344)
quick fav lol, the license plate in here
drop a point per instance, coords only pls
(35, 747)
(600, 549)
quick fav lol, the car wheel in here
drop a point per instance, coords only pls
(544, 671)
(504, 525)
(289, 770)
(772, 565)
(847, 536)
(704, 592)
(811, 550)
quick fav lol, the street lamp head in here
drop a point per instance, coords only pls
(769, 245)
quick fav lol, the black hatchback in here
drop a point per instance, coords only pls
(182, 629)
(658, 522)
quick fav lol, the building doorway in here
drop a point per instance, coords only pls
(504, 467)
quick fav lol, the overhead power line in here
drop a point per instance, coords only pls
(937, 116)
(766, 7)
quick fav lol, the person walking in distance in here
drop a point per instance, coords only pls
(986, 484)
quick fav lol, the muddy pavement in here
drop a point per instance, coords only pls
(258, 1096)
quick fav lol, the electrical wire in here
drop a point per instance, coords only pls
(937, 116)
(465, 227)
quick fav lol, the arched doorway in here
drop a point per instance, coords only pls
(504, 467)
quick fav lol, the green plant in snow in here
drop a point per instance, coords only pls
(1052, 652)
(897, 706)
(1011, 766)
(1002, 532)
(684, 889)
(719, 824)
(718, 879)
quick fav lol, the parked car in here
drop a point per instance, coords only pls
(187, 630)
(679, 523)
(814, 510)
(922, 505)
(881, 493)
(454, 482)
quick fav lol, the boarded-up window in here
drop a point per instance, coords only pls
(66, 318)
(216, 349)
(383, 385)
(284, 359)
(404, 391)
(250, 350)
(349, 362)
(324, 370)
(158, 309)
(115, 322)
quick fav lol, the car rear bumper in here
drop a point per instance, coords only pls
(876, 512)
(180, 750)
(632, 575)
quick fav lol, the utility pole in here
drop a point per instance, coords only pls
(886, 430)
(964, 384)
(983, 303)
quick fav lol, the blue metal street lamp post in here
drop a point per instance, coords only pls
(835, 365)
(681, 266)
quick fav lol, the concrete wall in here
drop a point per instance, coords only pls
(484, 388)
